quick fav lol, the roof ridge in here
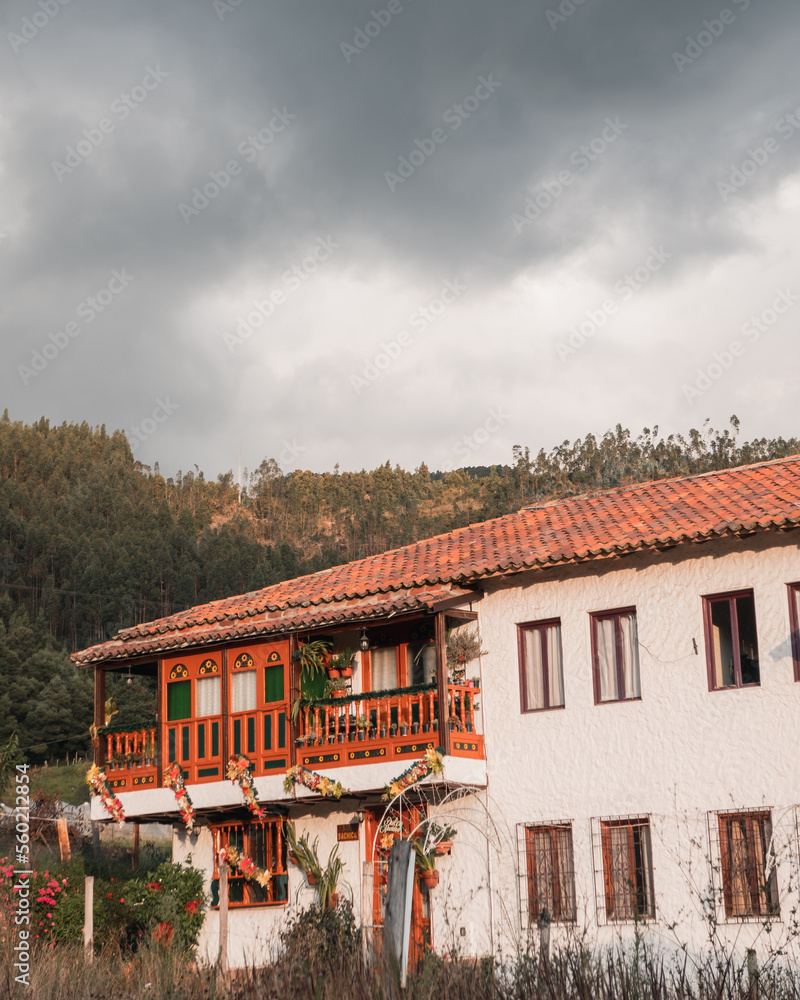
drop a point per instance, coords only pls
(786, 460)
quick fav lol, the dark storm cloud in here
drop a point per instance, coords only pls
(302, 120)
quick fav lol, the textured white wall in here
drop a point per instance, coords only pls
(675, 755)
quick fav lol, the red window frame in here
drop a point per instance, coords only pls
(754, 900)
(561, 880)
(730, 597)
(541, 627)
(274, 832)
(628, 903)
(794, 625)
(616, 615)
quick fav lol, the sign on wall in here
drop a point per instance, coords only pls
(347, 831)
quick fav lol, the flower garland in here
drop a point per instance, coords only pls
(97, 781)
(246, 866)
(431, 763)
(173, 778)
(299, 775)
(239, 770)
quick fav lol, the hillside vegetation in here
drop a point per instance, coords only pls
(92, 541)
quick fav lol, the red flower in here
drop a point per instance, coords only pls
(192, 906)
(155, 886)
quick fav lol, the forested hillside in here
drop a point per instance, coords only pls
(91, 541)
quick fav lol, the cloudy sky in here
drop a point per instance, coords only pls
(350, 232)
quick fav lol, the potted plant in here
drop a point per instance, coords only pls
(463, 646)
(442, 837)
(329, 879)
(313, 657)
(361, 727)
(337, 687)
(304, 854)
(343, 663)
(426, 864)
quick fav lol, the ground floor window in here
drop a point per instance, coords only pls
(747, 875)
(623, 869)
(264, 843)
(548, 873)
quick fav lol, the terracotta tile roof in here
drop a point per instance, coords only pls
(575, 529)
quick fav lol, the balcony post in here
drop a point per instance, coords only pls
(99, 709)
(160, 751)
(441, 681)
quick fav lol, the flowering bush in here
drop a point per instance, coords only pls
(97, 781)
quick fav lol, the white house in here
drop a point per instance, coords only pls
(625, 757)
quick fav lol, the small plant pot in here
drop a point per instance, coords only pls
(311, 879)
(334, 673)
(430, 878)
(383, 732)
(334, 900)
(436, 725)
(404, 730)
(341, 737)
(469, 727)
(414, 728)
(293, 858)
(351, 736)
(443, 847)
(373, 733)
(347, 672)
(362, 735)
(426, 727)
(393, 731)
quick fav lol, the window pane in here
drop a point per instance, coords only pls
(243, 691)
(630, 656)
(722, 643)
(273, 683)
(748, 643)
(209, 696)
(534, 669)
(384, 669)
(555, 674)
(422, 663)
(627, 870)
(606, 645)
(179, 700)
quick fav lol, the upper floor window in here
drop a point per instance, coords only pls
(794, 624)
(541, 675)
(615, 655)
(731, 642)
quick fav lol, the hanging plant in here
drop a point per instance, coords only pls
(314, 658)
(173, 778)
(97, 781)
(238, 770)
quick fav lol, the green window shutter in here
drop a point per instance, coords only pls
(251, 735)
(201, 740)
(215, 739)
(315, 687)
(267, 732)
(237, 735)
(273, 683)
(282, 729)
(179, 700)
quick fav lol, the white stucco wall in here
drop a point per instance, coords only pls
(677, 754)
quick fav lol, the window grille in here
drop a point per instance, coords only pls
(264, 843)
(623, 869)
(546, 873)
(743, 865)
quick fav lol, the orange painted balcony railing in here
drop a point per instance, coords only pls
(361, 729)
(130, 759)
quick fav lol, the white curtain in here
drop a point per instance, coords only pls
(384, 669)
(534, 670)
(209, 696)
(630, 656)
(606, 658)
(556, 674)
(243, 692)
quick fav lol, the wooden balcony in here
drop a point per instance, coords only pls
(360, 729)
(131, 759)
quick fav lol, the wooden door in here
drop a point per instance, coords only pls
(398, 823)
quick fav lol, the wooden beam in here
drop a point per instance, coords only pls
(441, 681)
(99, 710)
(161, 732)
(225, 709)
